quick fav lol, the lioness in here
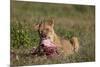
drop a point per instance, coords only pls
(46, 30)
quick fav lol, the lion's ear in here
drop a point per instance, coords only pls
(51, 22)
(36, 26)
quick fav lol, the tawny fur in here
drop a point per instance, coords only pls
(67, 47)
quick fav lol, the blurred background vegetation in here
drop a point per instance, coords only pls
(70, 20)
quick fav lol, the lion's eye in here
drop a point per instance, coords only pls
(47, 29)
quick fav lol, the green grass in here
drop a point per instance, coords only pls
(70, 20)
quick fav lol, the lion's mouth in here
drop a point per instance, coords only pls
(43, 37)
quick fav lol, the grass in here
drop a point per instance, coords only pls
(70, 20)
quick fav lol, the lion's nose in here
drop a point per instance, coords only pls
(44, 35)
